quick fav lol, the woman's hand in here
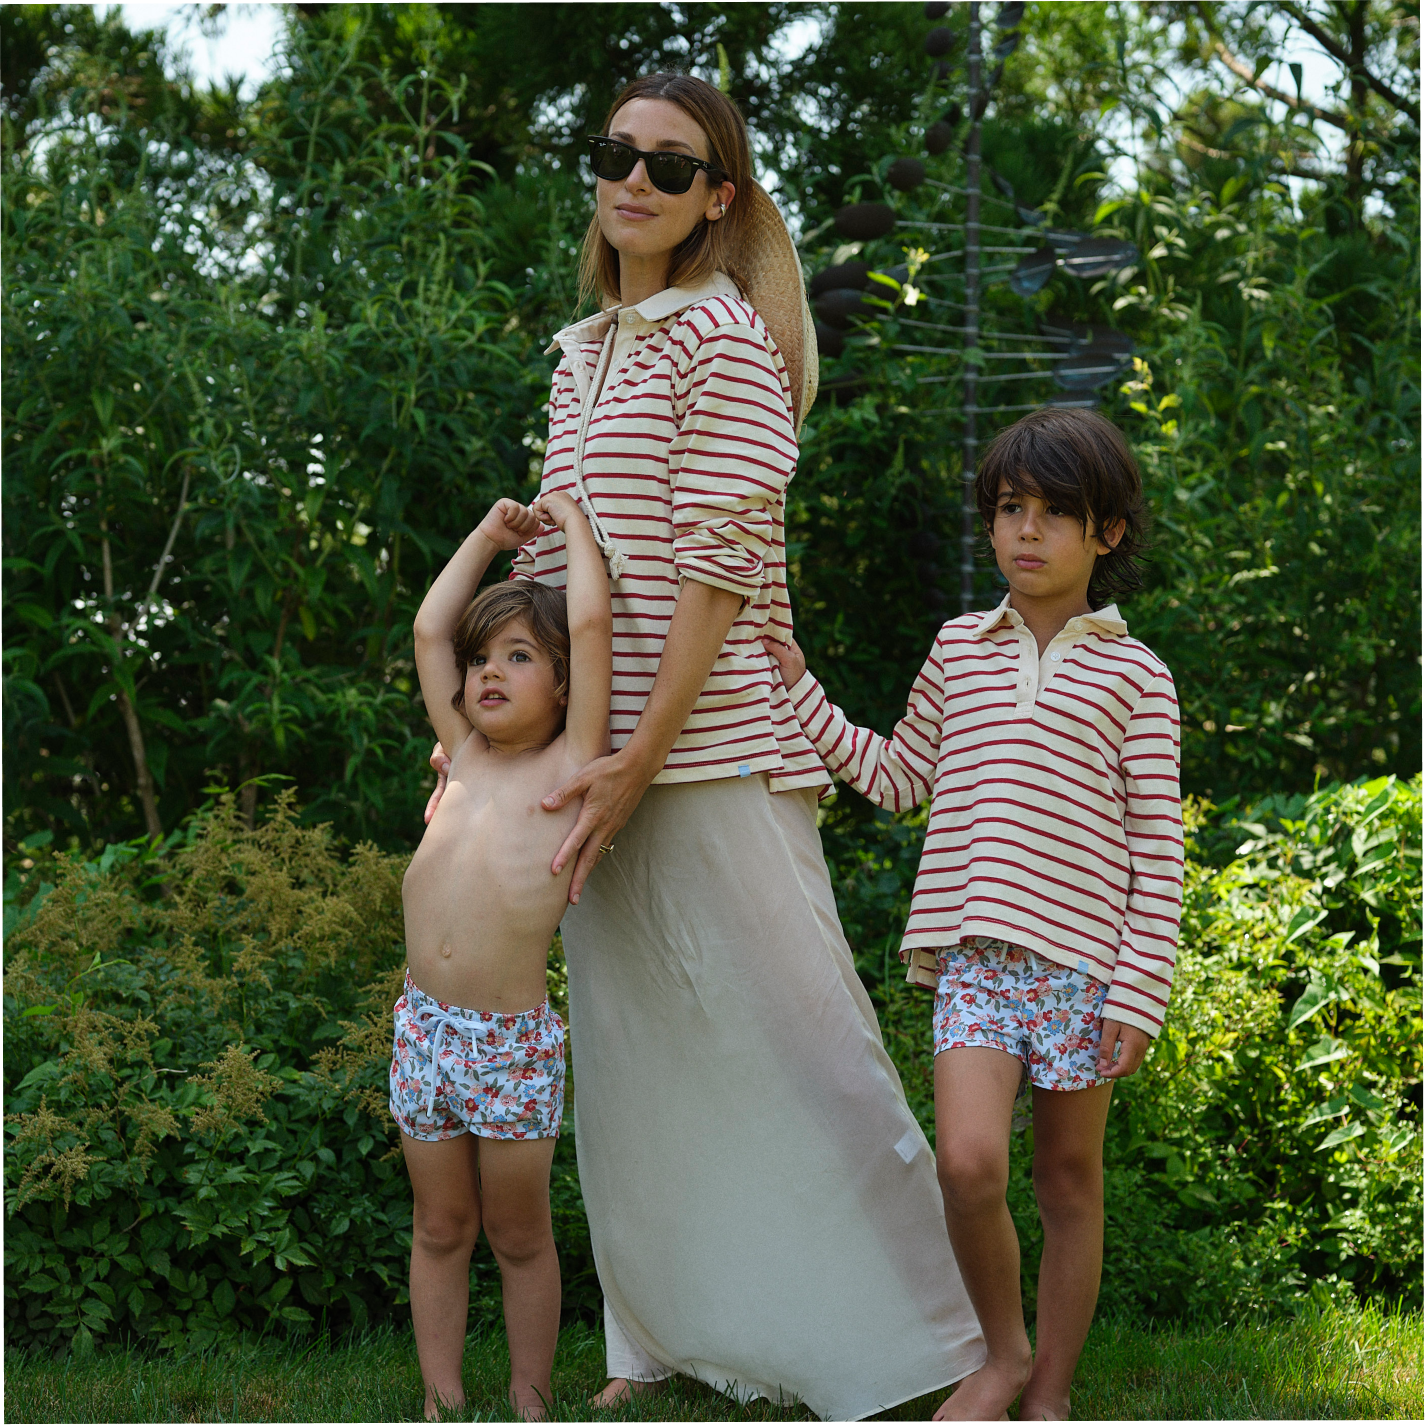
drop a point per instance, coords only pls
(1132, 1047)
(788, 658)
(611, 787)
(509, 524)
(440, 763)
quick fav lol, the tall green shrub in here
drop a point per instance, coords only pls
(197, 1050)
(1270, 1149)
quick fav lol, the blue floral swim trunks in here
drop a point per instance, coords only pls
(457, 1071)
(995, 995)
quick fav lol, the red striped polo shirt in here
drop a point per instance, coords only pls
(687, 458)
(1055, 814)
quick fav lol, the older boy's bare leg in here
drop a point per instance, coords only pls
(1068, 1182)
(444, 1229)
(514, 1195)
(974, 1098)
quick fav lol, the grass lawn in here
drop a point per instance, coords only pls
(1331, 1365)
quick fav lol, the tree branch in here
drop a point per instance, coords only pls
(1243, 71)
(1343, 57)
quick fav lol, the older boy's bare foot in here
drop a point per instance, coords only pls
(1043, 1407)
(987, 1394)
(618, 1390)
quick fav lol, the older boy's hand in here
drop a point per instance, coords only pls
(557, 508)
(788, 657)
(509, 524)
(1132, 1046)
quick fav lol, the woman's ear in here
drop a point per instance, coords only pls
(719, 201)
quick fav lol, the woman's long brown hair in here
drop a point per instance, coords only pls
(709, 247)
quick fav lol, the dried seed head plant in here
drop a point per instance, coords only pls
(196, 1059)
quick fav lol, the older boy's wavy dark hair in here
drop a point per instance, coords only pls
(544, 611)
(1079, 461)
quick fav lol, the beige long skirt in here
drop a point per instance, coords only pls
(764, 1208)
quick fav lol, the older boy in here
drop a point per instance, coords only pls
(1046, 906)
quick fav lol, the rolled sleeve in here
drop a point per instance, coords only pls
(731, 460)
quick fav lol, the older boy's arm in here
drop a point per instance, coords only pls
(1153, 827)
(896, 772)
(507, 523)
(591, 628)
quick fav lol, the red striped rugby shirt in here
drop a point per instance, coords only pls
(1055, 815)
(687, 460)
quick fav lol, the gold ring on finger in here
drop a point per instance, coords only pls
(605, 850)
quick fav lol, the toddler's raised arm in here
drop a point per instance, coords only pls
(586, 724)
(507, 525)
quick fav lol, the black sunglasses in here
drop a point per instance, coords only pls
(667, 171)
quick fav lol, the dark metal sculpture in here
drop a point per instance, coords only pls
(1073, 358)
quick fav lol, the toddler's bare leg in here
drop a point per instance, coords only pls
(974, 1098)
(1068, 1182)
(446, 1224)
(514, 1187)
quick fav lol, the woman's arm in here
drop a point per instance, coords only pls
(613, 786)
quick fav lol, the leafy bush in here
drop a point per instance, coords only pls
(198, 1041)
(1270, 1149)
(198, 1144)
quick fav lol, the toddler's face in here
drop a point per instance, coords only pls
(509, 689)
(1042, 550)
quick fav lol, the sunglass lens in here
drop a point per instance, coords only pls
(611, 160)
(671, 172)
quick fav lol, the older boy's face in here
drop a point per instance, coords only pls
(509, 689)
(1043, 551)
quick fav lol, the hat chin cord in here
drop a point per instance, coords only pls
(617, 559)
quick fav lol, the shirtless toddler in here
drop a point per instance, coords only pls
(517, 688)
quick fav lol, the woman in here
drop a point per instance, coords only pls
(763, 1207)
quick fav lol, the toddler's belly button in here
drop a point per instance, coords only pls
(445, 950)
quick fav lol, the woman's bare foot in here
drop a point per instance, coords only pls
(618, 1390)
(988, 1393)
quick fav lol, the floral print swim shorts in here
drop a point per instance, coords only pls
(995, 995)
(457, 1071)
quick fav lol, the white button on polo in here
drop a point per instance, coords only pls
(1055, 657)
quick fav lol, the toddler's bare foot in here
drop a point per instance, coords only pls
(618, 1390)
(438, 1407)
(988, 1393)
(528, 1404)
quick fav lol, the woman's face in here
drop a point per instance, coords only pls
(640, 220)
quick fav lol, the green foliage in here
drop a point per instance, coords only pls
(1332, 1364)
(302, 339)
(198, 1043)
(250, 409)
(198, 1142)
(1270, 1149)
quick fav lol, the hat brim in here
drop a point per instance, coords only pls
(771, 273)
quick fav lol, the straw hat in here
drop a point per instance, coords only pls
(770, 273)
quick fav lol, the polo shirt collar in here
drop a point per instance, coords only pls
(650, 311)
(1105, 620)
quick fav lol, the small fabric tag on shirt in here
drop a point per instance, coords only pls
(909, 1145)
(1082, 967)
(743, 769)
